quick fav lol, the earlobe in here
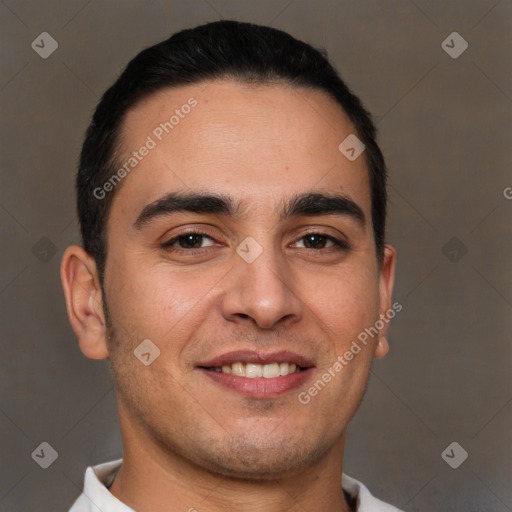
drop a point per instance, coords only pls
(382, 347)
(84, 301)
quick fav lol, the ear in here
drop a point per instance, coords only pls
(386, 282)
(84, 301)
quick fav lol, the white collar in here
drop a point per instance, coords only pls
(97, 498)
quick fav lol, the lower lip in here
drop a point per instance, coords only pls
(259, 387)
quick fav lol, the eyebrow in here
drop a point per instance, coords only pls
(308, 203)
(186, 202)
(311, 203)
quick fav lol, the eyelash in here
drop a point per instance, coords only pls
(339, 245)
(169, 243)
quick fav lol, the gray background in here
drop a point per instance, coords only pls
(445, 128)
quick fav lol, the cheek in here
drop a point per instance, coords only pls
(155, 302)
(346, 301)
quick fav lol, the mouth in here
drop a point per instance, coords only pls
(258, 375)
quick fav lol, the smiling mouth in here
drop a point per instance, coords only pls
(254, 370)
(257, 374)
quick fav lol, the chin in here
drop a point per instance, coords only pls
(248, 459)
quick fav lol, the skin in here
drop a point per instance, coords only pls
(187, 440)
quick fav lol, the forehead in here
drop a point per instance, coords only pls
(253, 142)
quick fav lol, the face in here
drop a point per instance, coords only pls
(277, 265)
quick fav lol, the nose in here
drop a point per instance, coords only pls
(261, 292)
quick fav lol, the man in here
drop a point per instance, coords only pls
(232, 203)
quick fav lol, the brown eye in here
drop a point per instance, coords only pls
(315, 241)
(319, 241)
(189, 241)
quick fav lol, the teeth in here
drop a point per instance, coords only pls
(252, 370)
(238, 369)
(284, 369)
(271, 370)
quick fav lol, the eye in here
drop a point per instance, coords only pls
(190, 241)
(320, 241)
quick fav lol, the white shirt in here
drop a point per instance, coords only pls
(97, 498)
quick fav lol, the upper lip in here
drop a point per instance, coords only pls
(251, 356)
